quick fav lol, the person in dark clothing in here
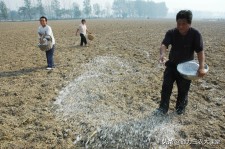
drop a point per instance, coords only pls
(184, 41)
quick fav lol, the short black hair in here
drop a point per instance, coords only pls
(83, 20)
(43, 17)
(184, 14)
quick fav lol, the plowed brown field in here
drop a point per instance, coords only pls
(129, 85)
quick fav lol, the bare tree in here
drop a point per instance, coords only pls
(108, 9)
(40, 8)
(56, 7)
(23, 12)
(28, 8)
(14, 15)
(76, 10)
(96, 9)
(48, 10)
(87, 7)
(120, 8)
(3, 10)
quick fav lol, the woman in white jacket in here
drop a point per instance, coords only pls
(44, 29)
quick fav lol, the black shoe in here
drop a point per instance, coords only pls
(160, 111)
(180, 111)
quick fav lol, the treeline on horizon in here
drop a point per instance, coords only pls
(119, 9)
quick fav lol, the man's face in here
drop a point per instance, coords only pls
(83, 22)
(183, 26)
(43, 22)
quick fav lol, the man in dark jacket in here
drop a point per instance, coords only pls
(184, 41)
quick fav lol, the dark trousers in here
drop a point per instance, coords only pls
(170, 76)
(83, 39)
(49, 56)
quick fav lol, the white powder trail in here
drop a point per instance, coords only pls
(97, 98)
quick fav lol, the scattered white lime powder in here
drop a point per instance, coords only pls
(100, 98)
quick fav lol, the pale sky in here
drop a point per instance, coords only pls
(173, 5)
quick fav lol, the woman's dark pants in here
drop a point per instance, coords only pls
(49, 56)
